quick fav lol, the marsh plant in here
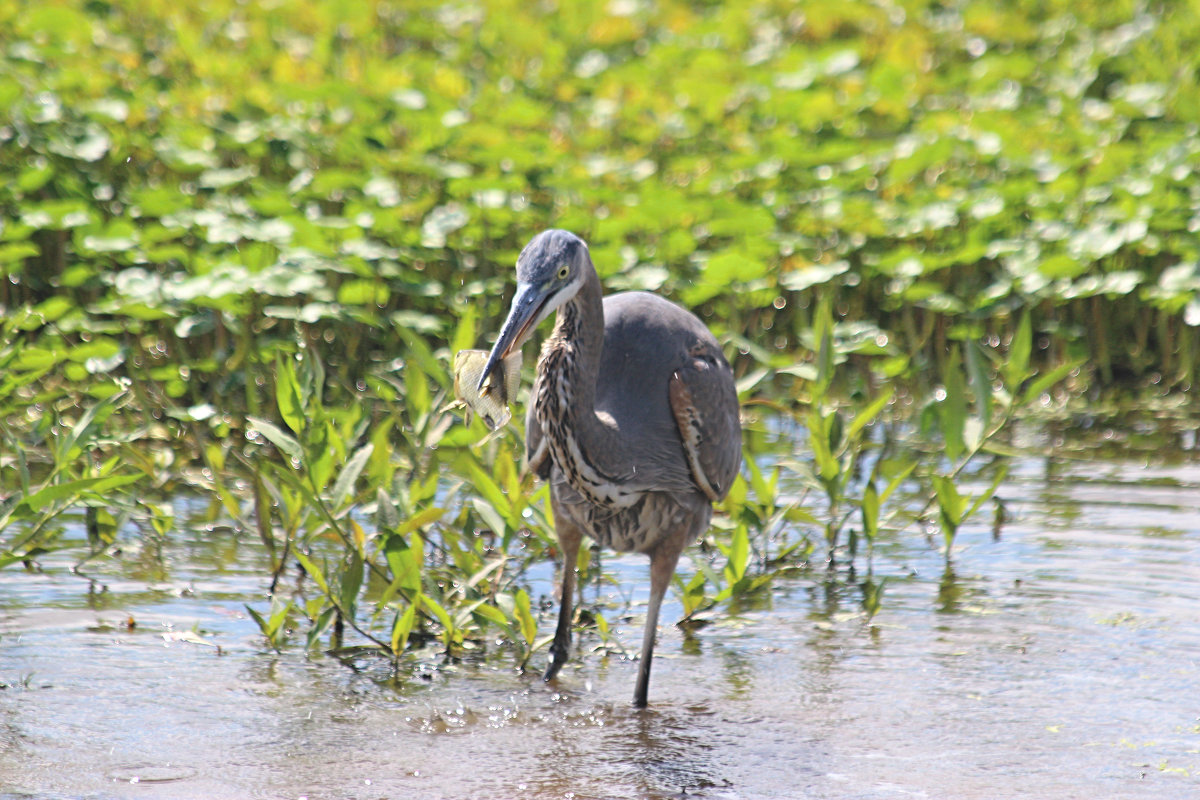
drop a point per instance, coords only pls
(239, 244)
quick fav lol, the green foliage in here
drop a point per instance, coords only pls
(273, 626)
(239, 242)
(192, 184)
(421, 571)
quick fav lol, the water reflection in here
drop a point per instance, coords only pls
(625, 752)
(951, 592)
(739, 670)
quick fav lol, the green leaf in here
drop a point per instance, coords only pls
(486, 571)
(868, 414)
(279, 615)
(420, 520)
(287, 395)
(526, 622)
(406, 559)
(818, 439)
(836, 424)
(950, 501)
(83, 430)
(1020, 350)
(738, 554)
(490, 517)
(351, 583)
(18, 251)
(763, 491)
(752, 378)
(1001, 474)
(320, 625)
(417, 395)
(263, 625)
(403, 626)
(872, 596)
(41, 499)
(823, 330)
(491, 614)
(313, 571)
(896, 480)
(487, 486)
(435, 608)
(419, 356)
(952, 410)
(464, 332)
(870, 512)
(978, 380)
(272, 628)
(950, 508)
(1034, 390)
(275, 435)
(693, 594)
(348, 477)
(320, 454)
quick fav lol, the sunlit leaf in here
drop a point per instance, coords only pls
(870, 512)
(70, 490)
(869, 413)
(351, 583)
(1020, 349)
(525, 619)
(348, 477)
(952, 410)
(403, 626)
(286, 443)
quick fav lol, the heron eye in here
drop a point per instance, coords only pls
(563, 271)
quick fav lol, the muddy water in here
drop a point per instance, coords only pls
(1060, 661)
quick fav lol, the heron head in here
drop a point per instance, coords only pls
(550, 271)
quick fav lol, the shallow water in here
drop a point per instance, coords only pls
(1060, 661)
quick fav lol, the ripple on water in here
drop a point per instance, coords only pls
(150, 773)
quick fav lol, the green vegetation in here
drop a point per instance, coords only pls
(240, 242)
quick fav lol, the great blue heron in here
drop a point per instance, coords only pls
(633, 419)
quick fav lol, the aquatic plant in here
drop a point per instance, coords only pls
(239, 244)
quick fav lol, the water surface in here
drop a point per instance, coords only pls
(1061, 660)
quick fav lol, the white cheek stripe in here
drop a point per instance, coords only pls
(561, 296)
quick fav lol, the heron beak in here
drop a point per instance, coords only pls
(526, 311)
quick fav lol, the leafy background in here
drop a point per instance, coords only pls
(240, 241)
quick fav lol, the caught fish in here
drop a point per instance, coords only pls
(491, 402)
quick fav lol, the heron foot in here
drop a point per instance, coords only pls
(552, 667)
(556, 660)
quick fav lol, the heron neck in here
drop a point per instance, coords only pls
(580, 327)
(571, 365)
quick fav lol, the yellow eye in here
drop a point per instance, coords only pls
(563, 271)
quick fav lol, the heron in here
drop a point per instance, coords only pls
(633, 420)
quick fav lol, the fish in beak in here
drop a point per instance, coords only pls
(529, 307)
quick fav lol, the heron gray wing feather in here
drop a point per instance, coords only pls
(648, 342)
(704, 402)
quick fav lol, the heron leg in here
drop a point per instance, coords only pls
(569, 537)
(662, 567)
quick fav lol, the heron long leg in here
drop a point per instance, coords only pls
(569, 537)
(662, 567)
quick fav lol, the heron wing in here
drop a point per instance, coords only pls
(704, 402)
